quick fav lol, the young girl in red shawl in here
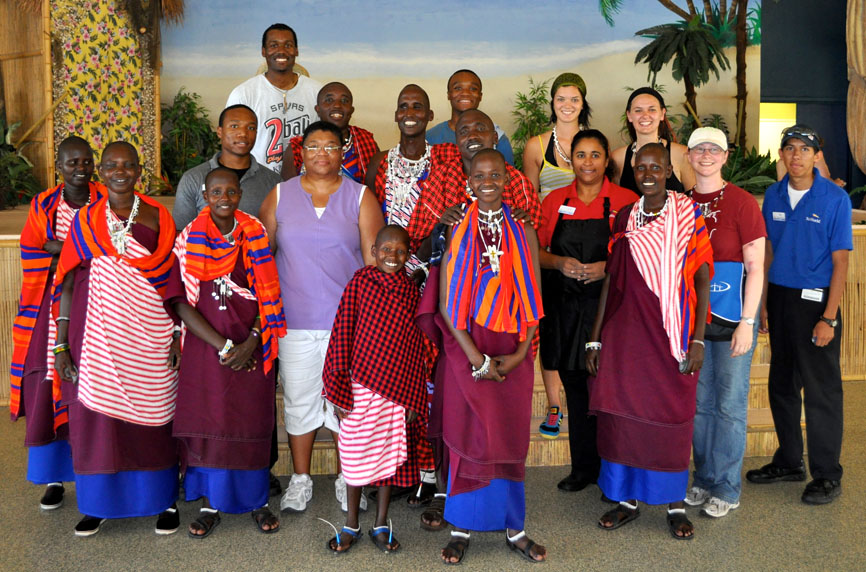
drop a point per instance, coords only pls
(491, 304)
(224, 287)
(33, 394)
(375, 375)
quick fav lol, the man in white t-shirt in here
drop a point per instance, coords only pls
(284, 101)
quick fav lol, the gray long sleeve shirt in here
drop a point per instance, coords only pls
(256, 183)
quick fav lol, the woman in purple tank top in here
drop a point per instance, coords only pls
(321, 227)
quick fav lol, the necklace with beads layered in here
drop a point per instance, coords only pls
(491, 221)
(403, 174)
(643, 217)
(348, 144)
(709, 208)
(118, 230)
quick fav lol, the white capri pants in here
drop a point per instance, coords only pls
(302, 358)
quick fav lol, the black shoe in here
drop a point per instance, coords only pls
(576, 482)
(771, 473)
(276, 489)
(88, 526)
(168, 521)
(821, 491)
(53, 497)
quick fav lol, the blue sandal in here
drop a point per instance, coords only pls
(550, 428)
(354, 533)
(385, 546)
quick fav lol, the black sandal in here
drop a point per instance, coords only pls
(435, 512)
(458, 545)
(679, 522)
(422, 496)
(620, 515)
(264, 516)
(526, 551)
(387, 546)
(207, 520)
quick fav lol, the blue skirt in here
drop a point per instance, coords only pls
(51, 463)
(499, 505)
(622, 483)
(228, 490)
(127, 493)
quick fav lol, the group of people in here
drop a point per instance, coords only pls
(402, 296)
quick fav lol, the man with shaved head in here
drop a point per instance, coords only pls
(334, 105)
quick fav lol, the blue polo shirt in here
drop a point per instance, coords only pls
(804, 238)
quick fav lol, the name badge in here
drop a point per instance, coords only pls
(813, 295)
(567, 210)
(779, 216)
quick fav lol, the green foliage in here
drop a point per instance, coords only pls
(684, 125)
(691, 45)
(187, 136)
(18, 184)
(723, 30)
(532, 116)
(750, 170)
(608, 8)
(753, 25)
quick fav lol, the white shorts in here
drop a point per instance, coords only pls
(302, 358)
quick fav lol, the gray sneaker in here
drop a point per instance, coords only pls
(298, 494)
(718, 508)
(342, 497)
(697, 496)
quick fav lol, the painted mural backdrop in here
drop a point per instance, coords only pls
(109, 90)
(376, 47)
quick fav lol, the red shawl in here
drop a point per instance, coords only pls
(209, 256)
(376, 343)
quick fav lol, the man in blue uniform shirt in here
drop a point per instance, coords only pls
(809, 228)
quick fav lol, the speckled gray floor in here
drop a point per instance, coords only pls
(772, 530)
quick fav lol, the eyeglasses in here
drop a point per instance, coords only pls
(711, 149)
(314, 149)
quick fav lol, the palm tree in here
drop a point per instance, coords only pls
(692, 47)
(734, 13)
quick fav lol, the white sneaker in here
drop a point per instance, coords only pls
(298, 494)
(718, 508)
(342, 498)
(697, 496)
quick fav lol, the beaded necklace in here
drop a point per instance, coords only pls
(118, 230)
(403, 174)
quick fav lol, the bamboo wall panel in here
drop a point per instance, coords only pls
(22, 66)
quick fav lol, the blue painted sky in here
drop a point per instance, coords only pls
(390, 38)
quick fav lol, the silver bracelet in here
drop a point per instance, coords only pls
(61, 319)
(425, 266)
(699, 342)
(485, 367)
(226, 348)
(592, 346)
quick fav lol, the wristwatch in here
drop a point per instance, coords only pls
(829, 322)
(750, 321)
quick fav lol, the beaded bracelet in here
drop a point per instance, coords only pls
(478, 373)
(592, 346)
(226, 348)
(61, 319)
(60, 348)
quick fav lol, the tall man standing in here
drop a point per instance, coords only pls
(809, 226)
(237, 130)
(283, 100)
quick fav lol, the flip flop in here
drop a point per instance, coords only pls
(614, 516)
(208, 520)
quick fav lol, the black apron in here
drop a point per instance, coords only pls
(570, 305)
